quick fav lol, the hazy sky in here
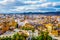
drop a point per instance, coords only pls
(18, 6)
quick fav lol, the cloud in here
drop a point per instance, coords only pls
(5, 2)
(57, 9)
(32, 8)
(28, 6)
(43, 0)
(34, 2)
(24, 8)
(50, 4)
(35, 8)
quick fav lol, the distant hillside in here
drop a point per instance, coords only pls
(46, 13)
(32, 13)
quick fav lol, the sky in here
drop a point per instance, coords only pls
(19, 6)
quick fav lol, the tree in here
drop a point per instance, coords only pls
(43, 36)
